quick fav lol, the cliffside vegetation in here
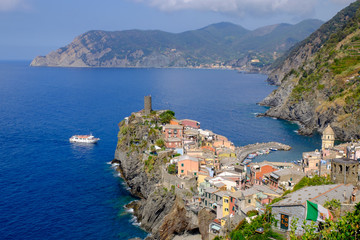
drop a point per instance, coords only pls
(320, 78)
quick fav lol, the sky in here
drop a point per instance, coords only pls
(36, 27)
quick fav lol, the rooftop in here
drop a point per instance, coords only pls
(187, 157)
(344, 160)
(168, 126)
(287, 171)
(317, 194)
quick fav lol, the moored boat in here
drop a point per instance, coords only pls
(84, 139)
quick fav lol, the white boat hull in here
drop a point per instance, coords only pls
(83, 139)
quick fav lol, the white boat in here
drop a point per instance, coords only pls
(84, 139)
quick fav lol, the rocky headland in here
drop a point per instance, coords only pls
(164, 209)
(318, 79)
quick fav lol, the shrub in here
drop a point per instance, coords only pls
(165, 117)
(172, 169)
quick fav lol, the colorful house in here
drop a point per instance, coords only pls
(257, 173)
(188, 123)
(173, 135)
(188, 166)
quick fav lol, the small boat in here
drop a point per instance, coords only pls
(273, 149)
(84, 139)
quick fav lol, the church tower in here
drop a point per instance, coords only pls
(328, 138)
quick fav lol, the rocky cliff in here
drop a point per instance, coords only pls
(160, 210)
(319, 78)
(217, 45)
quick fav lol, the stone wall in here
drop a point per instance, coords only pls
(168, 180)
(293, 212)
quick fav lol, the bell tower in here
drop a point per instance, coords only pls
(328, 138)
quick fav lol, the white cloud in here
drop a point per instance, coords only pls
(11, 5)
(243, 7)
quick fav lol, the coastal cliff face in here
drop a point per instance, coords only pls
(159, 210)
(319, 78)
(221, 45)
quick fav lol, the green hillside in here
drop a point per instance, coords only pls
(221, 44)
(325, 86)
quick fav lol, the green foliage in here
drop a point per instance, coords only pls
(333, 204)
(293, 227)
(172, 169)
(165, 117)
(320, 87)
(218, 238)
(252, 213)
(275, 200)
(124, 130)
(160, 143)
(246, 230)
(149, 163)
(314, 181)
(343, 64)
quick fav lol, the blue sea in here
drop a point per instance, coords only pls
(52, 189)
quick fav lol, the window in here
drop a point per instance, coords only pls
(291, 179)
(231, 199)
(226, 200)
(194, 173)
(249, 201)
(182, 164)
(226, 209)
(182, 171)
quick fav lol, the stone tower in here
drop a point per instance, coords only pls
(147, 105)
(328, 138)
(344, 171)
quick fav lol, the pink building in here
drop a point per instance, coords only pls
(188, 123)
(188, 166)
(173, 136)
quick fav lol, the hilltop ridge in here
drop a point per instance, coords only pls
(224, 45)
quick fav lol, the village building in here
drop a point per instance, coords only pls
(311, 163)
(294, 204)
(188, 166)
(353, 151)
(195, 152)
(258, 171)
(345, 171)
(173, 135)
(190, 124)
(284, 178)
(206, 135)
(209, 199)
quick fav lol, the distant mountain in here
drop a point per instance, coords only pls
(319, 78)
(220, 44)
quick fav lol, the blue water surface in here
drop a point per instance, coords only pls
(51, 189)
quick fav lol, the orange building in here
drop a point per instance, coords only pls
(257, 173)
(188, 166)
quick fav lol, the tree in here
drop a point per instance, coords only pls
(172, 169)
(166, 116)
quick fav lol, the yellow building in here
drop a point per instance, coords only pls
(328, 138)
(226, 206)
